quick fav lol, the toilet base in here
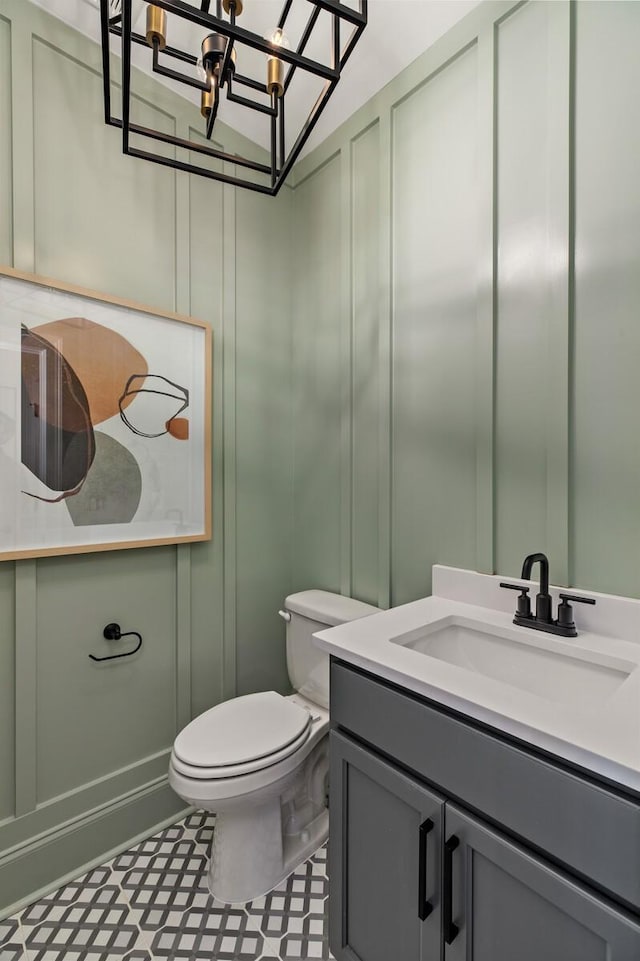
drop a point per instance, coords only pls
(250, 857)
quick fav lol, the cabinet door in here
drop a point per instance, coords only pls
(384, 860)
(507, 904)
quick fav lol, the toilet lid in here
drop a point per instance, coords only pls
(241, 730)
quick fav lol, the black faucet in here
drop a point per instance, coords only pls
(543, 620)
(543, 598)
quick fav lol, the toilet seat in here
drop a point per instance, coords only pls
(242, 735)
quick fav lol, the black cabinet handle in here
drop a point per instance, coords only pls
(450, 929)
(425, 907)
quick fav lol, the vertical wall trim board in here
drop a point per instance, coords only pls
(391, 275)
(559, 272)
(291, 407)
(26, 687)
(183, 635)
(7, 23)
(229, 438)
(347, 334)
(295, 264)
(367, 285)
(183, 233)
(183, 551)
(183, 558)
(486, 301)
(385, 365)
(571, 297)
(23, 182)
(494, 297)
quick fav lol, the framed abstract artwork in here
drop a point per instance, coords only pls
(105, 422)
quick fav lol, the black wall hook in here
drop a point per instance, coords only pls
(112, 632)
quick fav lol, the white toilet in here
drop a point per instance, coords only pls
(261, 762)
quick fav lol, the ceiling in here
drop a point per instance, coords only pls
(397, 32)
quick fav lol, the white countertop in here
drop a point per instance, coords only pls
(601, 735)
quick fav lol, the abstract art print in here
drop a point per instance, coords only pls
(105, 422)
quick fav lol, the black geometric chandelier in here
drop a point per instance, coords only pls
(216, 71)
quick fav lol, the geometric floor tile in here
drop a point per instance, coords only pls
(11, 947)
(11, 952)
(151, 903)
(309, 941)
(164, 883)
(8, 930)
(96, 926)
(220, 931)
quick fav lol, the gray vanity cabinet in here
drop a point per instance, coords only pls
(481, 844)
(508, 905)
(384, 860)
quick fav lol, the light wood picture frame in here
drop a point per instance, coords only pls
(105, 421)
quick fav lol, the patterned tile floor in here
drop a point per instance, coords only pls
(152, 903)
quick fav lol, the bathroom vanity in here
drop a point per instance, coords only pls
(463, 826)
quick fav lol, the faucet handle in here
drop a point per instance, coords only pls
(565, 610)
(524, 604)
(574, 597)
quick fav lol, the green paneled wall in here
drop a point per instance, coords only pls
(434, 258)
(490, 376)
(523, 272)
(84, 749)
(263, 485)
(84, 188)
(93, 722)
(606, 389)
(319, 342)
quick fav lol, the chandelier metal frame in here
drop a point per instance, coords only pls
(270, 99)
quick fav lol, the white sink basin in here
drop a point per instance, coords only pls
(521, 658)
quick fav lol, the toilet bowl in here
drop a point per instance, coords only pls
(260, 762)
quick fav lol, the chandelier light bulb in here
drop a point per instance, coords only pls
(278, 37)
(275, 67)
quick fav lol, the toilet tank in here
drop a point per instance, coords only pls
(307, 612)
